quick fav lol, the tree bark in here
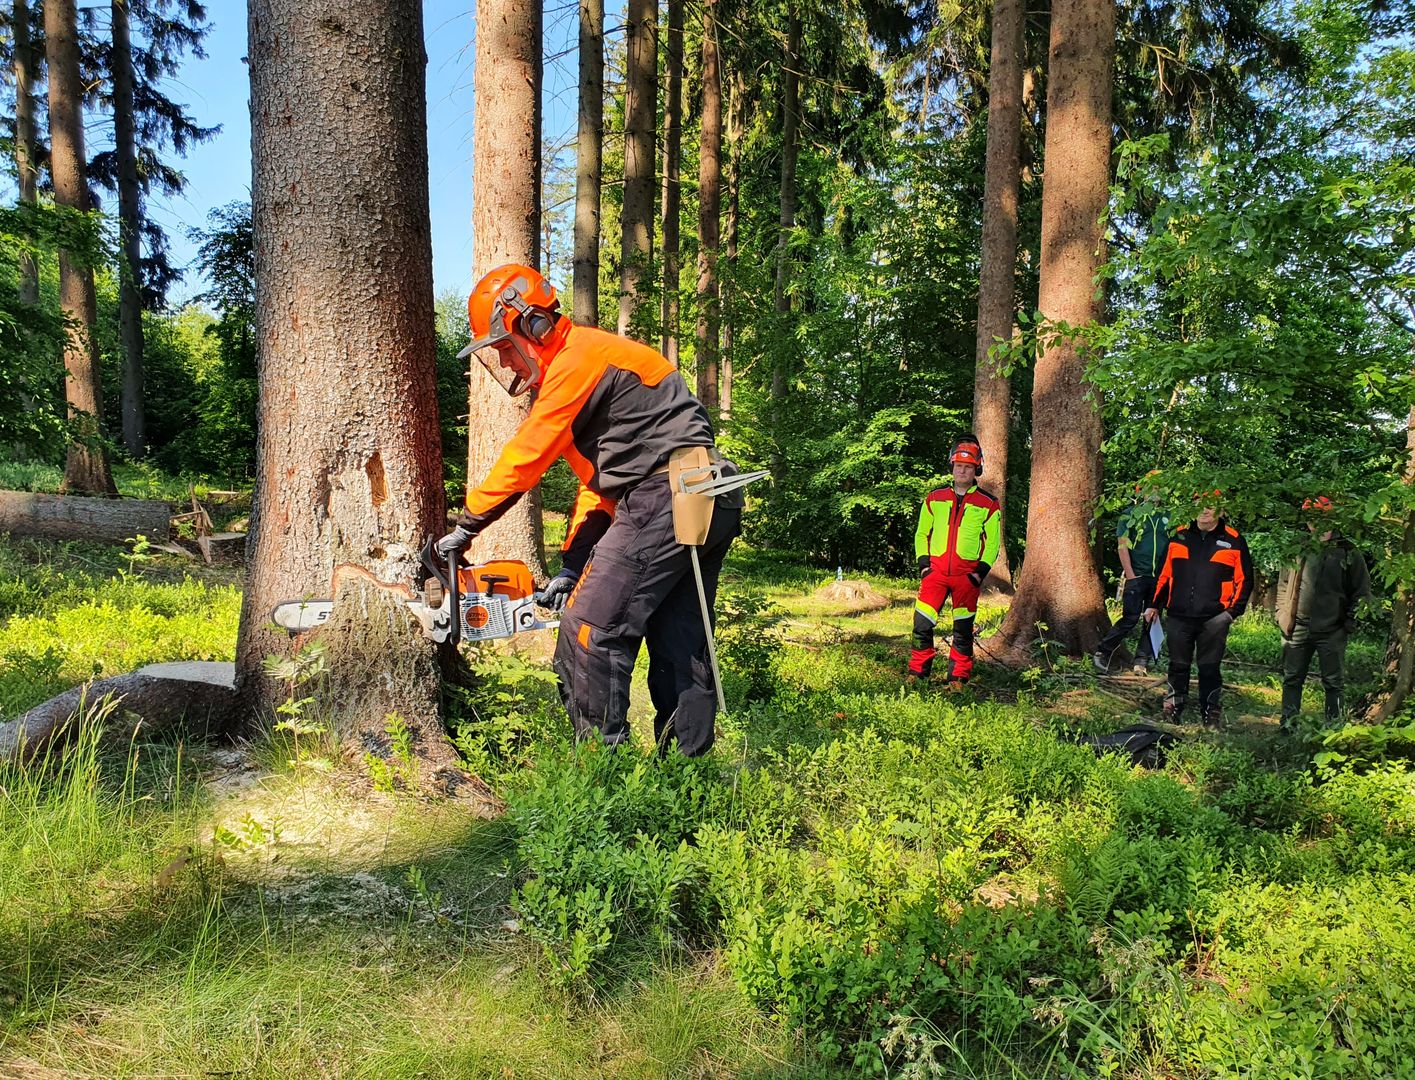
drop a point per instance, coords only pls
(348, 456)
(640, 109)
(130, 233)
(26, 169)
(997, 277)
(736, 109)
(672, 146)
(589, 156)
(790, 127)
(199, 695)
(506, 223)
(709, 192)
(1058, 585)
(86, 468)
(72, 517)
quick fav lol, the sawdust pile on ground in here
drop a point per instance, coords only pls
(853, 595)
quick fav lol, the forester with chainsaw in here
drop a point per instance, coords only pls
(633, 568)
(956, 541)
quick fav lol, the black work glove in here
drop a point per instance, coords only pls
(1223, 618)
(978, 576)
(557, 590)
(455, 542)
(926, 564)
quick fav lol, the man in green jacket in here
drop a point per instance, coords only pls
(1316, 605)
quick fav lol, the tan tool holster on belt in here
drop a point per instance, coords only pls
(692, 514)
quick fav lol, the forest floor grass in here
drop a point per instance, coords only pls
(180, 911)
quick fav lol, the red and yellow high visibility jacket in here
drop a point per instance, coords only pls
(1205, 573)
(965, 530)
(615, 410)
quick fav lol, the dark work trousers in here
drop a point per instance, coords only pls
(637, 586)
(1133, 601)
(1297, 658)
(1208, 637)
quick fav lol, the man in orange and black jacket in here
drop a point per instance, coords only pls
(1204, 585)
(616, 411)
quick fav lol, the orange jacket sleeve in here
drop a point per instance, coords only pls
(543, 436)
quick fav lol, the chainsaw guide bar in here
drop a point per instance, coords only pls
(493, 600)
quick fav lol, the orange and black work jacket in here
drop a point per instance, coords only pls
(1205, 573)
(965, 530)
(615, 410)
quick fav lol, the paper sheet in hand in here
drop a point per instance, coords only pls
(1156, 637)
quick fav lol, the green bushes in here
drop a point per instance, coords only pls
(923, 868)
(604, 847)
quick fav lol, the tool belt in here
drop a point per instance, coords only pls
(699, 478)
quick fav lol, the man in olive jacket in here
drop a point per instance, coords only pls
(1316, 604)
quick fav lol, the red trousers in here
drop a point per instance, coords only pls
(935, 589)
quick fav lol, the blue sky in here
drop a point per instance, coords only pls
(216, 91)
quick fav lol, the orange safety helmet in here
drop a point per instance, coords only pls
(1321, 504)
(511, 307)
(967, 451)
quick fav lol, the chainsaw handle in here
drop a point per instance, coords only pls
(449, 584)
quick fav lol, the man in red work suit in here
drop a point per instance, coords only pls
(615, 410)
(957, 539)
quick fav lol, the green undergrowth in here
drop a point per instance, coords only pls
(859, 880)
(71, 612)
(133, 480)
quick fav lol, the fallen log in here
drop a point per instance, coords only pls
(198, 695)
(77, 517)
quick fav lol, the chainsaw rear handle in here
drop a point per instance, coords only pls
(449, 584)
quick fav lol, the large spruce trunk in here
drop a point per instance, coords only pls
(130, 232)
(26, 169)
(1058, 585)
(672, 146)
(790, 147)
(506, 222)
(86, 470)
(736, 110)
(997, 276)
(589, 157)
(348, 458)
(709, 194)
(640, 109)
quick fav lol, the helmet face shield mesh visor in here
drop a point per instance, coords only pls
(506, 361)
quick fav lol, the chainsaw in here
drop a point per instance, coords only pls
(491, 600)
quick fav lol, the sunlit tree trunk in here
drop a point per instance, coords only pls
(348, 460)
(26, 169)
(1058, 587)
(736, 107)
(86, 468)
(589, 154)
(506, 154)
(640, 113)
(130, 234)
(709, 191)
(672, 147)
(1001, 179)
(790, 139)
